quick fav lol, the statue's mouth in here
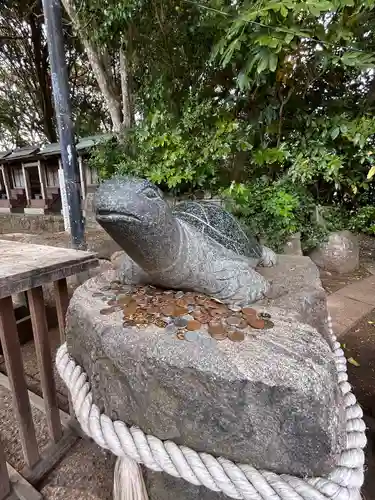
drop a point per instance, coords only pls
(108, 215)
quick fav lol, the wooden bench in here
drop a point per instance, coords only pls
(25, 268)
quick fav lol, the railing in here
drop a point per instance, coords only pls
(26, 268)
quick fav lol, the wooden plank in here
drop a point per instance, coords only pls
(20, 487)
(24, 266)
(13, 362)
(38, 402)
(67, 421)
(4, 478)
(62, 302)
(50, 457)
(44, 357)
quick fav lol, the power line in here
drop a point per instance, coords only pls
(277, 28)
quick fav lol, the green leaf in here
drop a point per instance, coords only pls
(243, 80)
(371, 173)
(289, 37)
(353, 362)
(272, 62)
(335, 132)
(262, 65)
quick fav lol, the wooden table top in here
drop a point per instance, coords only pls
(24, 266)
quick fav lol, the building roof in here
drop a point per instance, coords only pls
(82, 144)
(23, 153)
(50, 149)
(92, 140)
(4, 154)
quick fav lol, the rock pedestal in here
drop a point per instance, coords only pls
(271, 401)
(340, 254)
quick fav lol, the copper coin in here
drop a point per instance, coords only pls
(255, 322)
(180, 336)
(233, 320)
(124, 299)
(242, 324)
(109, 310)
(202, 317)
(179, 311)
(249, 311)
(180, 303)
(201, 300)
(193, 324)
(236, 336)
(167, 310)
(130, 308)
(217, 331)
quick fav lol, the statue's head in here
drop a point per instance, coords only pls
(135, 214)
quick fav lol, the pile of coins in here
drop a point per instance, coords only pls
(187, 316)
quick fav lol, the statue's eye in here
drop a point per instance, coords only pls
(150, 193)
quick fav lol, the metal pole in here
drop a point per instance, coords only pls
(60, 87)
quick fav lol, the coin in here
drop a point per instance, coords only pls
(193, 325)
(233, 320)
(191, 336)
(179, 311)
(217, 331)
(167, 310)
(255, 322)
(124, 299)
(109, 310)
(265, 315)
(180, 321)
(268, 324)
(236, 336)
(249, 311)
(180, 303)
(160, 323)
(130, 308)
(200, 300)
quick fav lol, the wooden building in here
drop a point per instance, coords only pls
(29, 177)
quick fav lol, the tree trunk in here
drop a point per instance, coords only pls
(127, 111)
(103, 79)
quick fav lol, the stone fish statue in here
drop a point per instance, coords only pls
(197, 246)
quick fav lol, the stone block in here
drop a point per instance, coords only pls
(297, 290)
(340, 254)
(272, 401)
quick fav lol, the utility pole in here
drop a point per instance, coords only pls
(60, 87)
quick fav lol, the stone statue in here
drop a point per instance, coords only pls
(196, 246)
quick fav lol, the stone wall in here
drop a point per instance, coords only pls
(20, 223)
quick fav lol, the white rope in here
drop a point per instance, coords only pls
(219, 474)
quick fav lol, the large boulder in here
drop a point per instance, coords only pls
(340, 254)
(271, 401)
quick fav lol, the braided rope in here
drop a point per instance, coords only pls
(239, 481)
